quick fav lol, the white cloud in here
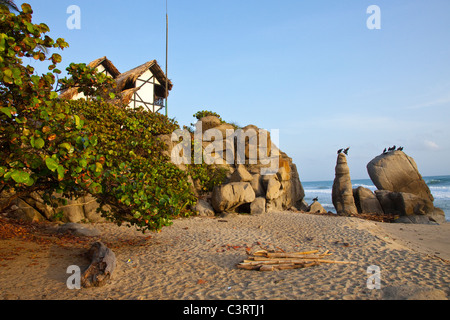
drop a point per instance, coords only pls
(432, 103)
(431, 145)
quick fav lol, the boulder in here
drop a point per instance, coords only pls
(257, 185)
(273, 188)
(229, 197)
(241, 175)
(204, 209)
(274, 176)
(396, 171)
(388, 201)
(410, 207)
(26, 212)
(366, 201)
(316, 207)
(342, 191)
(210, 122)
(258, 206)
(438, 215)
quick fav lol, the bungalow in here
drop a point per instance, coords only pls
(143, 86)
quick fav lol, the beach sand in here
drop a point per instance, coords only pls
(196, 258)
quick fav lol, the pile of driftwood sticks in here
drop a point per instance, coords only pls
(269, 261)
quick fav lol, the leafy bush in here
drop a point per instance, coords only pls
(85, 146)
(205, 113)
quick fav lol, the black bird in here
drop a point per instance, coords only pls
(346, 151)
(400, 149)
(340, 150)
(316, 199)
(384, 151)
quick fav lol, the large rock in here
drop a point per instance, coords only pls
(402, 190)
(204, 209)
(257, 185)
(316, 207)
(258, 206)
(210, 122)
(273, 188)
(404, 204)
(409, 207)
(229, 197)
(259, 162)
(366, 201)
(396, 171)
(241, 175)
(342, 192)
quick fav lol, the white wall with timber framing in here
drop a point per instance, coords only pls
(146, 96)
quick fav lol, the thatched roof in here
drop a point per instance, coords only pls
(127, 80)
(107, 64)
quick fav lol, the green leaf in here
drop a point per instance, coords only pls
(38, 143)
(6, 111)
(60, 170)
(20, 176)
(2, 171)
(66, 146)
(78, 122)
(30, 182)
(26, 8)
(51, 164)
(83, 163)
(137, 215)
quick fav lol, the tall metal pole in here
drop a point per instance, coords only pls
(167, 50)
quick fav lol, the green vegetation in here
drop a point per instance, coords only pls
(91, 146)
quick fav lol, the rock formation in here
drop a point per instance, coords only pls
(395, 171)
(316, 207)
(342, 192)
(366, 201)
(261, 177)
(33, 208)
(402, 190)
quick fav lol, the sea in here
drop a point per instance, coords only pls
(439, 187)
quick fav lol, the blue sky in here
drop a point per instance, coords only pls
(311, 69)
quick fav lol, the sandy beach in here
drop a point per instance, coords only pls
(196, 258)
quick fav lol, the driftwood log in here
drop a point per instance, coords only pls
(103, 263)
(267, 261)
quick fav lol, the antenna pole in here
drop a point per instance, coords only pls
(167, 50)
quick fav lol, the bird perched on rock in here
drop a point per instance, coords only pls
(339, 151)
(316, 199)
(385, 150)
(400, 149)
(346, 151)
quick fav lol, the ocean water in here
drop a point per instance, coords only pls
(439, 187)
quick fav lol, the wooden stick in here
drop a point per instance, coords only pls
(294, 255)
(337, 262)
